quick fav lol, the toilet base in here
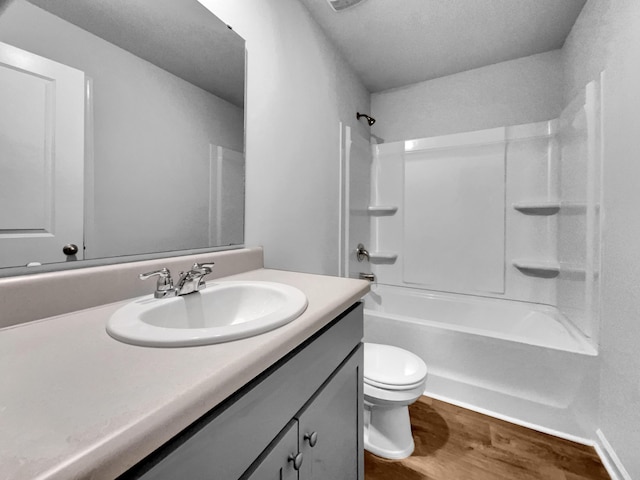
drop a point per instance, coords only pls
(387, 431)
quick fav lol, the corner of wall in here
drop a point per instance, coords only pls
(610, 459)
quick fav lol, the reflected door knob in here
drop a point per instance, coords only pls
(70, 249)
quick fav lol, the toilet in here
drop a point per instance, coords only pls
(393, 379)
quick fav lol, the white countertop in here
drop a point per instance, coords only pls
(75, 403)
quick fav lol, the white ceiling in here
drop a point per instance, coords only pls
(180, 36)
(393, 43)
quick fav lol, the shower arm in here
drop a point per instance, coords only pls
(370, 120)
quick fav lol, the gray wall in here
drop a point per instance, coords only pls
(519, 91)
(607, 37)
(152, 136)
(299, 89)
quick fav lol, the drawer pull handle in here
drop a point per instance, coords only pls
(312, 438)
(297, 460)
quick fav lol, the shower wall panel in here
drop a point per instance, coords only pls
(454, 217)
(457, 228)
(579, 216)
(355, 201)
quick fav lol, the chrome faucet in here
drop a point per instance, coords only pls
(189, 282)
(193, 280)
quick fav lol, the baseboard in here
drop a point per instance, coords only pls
(610, 460)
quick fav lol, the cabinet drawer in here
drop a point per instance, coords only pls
(225, 442)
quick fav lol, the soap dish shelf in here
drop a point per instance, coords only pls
(538, 208)
(382, 210)
(538, 268)
(575, 270)
(383, 257)
(578, 207)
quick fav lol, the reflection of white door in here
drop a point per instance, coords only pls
(41, 158)
(226, 197)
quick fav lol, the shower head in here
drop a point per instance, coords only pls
(370, 120)
(339, 5)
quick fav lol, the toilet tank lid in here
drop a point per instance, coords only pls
(386, 364)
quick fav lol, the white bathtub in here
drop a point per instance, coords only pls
(518, 361)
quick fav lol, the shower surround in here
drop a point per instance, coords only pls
(486, 258)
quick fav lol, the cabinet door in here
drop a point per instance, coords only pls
(331, 427)
(275, 463)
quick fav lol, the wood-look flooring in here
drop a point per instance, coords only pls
(454, 443)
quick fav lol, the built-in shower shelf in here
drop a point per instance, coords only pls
(577, 207)
(383, 257)
(381, 210)
(538, 268)
(573, 269)
(538, 208)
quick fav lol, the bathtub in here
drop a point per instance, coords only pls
(518, 361)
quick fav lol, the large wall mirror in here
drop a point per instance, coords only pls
(121, 130)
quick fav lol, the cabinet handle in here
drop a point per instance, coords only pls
(296, 459)
(312, 438)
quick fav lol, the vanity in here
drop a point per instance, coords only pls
(300, 419)
(76, 403)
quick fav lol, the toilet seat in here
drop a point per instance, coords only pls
(392, 368)
(386, 396)
(386, 386)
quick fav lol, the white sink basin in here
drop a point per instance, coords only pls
(221, 312)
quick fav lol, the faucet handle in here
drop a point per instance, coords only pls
(206, 268)
(203, 269)
(361, 253)
(165, 282)
(163, 273)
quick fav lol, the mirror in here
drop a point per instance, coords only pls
(121, 132)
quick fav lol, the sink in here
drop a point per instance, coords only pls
(221, 312)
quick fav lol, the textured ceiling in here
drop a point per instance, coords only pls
(393, 43)
(180, 36)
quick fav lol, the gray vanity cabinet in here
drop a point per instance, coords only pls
(323, 441)
(312, 396)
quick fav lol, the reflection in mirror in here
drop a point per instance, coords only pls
(122, 129)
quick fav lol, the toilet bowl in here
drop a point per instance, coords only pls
(393, 379)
